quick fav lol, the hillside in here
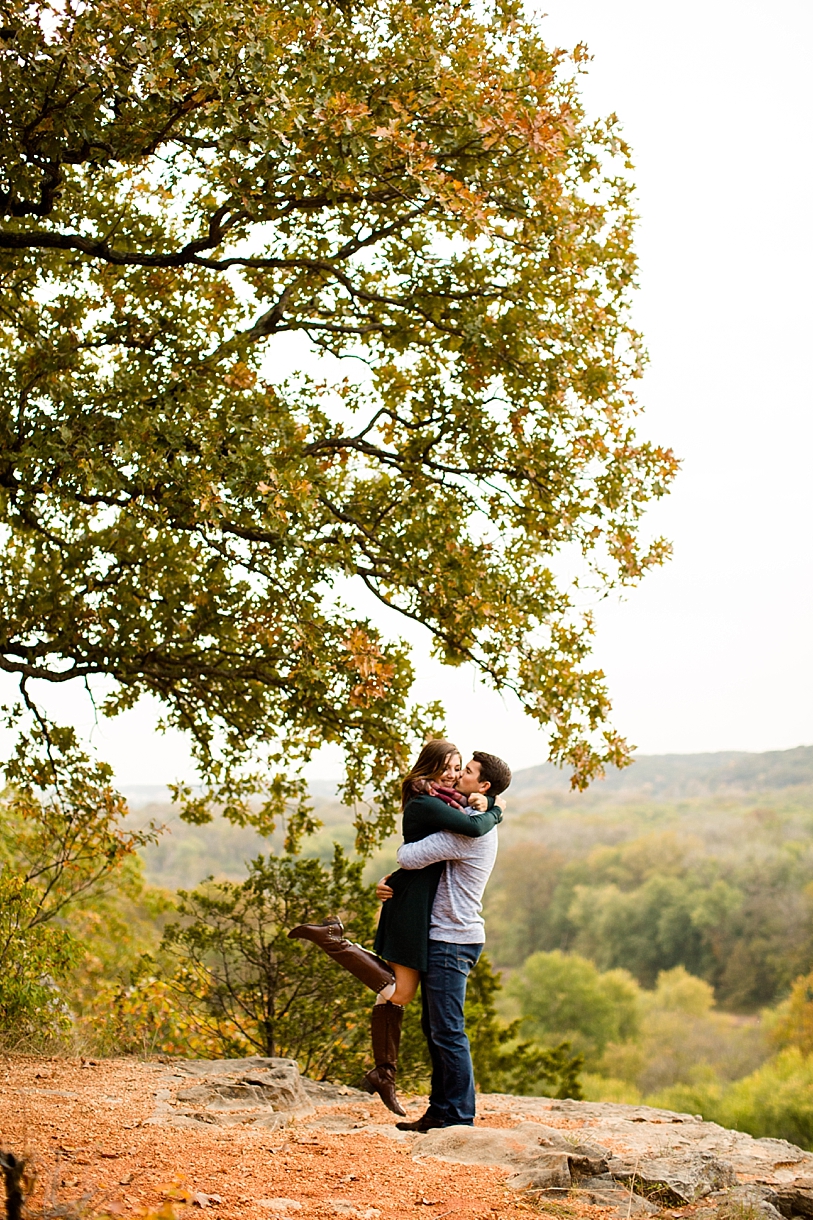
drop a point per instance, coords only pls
(674, 777)
(657, 789)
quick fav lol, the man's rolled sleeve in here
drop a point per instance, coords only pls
(443, 845)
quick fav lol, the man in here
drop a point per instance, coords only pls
(456, 939)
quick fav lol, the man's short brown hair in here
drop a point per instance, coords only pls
(493, 771)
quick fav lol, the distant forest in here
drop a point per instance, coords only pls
(702, 861)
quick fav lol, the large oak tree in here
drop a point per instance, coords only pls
(411, 184)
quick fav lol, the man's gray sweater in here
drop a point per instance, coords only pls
(456, 911)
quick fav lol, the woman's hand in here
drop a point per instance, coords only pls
(478, 801)
(382, 891)
(500, 802)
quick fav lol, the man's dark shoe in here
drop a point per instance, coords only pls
(425, 1123)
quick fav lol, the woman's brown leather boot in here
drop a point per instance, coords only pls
(385, 1027)
(371, 970)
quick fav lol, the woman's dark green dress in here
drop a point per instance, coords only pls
(403, 930)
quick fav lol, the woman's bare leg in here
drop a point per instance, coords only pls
(403, 991)
(406, 983)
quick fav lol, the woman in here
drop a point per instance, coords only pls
(429, 803)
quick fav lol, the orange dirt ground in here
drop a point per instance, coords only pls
(84, 1128)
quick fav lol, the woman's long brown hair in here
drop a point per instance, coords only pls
(430, 765)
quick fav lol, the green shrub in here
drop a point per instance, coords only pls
(503, 1062)
(678, 991)
(33, 958)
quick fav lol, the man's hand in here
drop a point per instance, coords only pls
(479, 802)
(382, 890)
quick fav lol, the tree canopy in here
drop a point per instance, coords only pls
(412, 186)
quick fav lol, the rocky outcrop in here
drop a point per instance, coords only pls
(675, 1180)
(254, 1092)
(643, 1158)
(525, 1149)
(795, 1198)
(628, 1160)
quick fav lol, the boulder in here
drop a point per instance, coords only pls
(544, 1158)
(226, 1097)
(274, 1081)
(256, 1092)
(603, 1191)
(242, 1083)
(528, 1148)
(795, 1198)
(750, 1200)
(674, 1180)
(645, 1132)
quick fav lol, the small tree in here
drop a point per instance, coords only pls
(62, 828)
(247, 988)
(793, 1022)
(62, 841)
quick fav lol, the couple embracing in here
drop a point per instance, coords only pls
(431, 930)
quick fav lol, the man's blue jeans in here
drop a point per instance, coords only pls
(443, 994)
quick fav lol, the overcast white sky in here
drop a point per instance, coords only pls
(715, 651)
